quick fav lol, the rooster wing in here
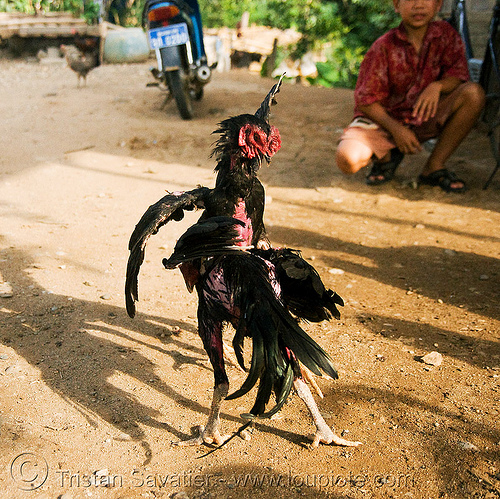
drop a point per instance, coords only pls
(170, 207)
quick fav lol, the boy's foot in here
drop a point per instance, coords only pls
(381, 173)
(448, 181)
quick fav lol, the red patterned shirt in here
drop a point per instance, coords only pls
(393, 74)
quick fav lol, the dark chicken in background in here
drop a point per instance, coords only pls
(240, 280)
(84, 56)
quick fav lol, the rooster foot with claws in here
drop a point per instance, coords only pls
(205, 436)
(325, 435)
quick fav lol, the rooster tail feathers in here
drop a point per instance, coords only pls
(281, 395)
(302, 289)
(278, 379)
(256, 369)
(331, 299)
(309, 352)
(239, 337)
(278, 341)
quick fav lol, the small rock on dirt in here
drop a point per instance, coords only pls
(6, 290)
(433, 359)
(180, 495)
(15, 369)
(467, 446)
(336, 271)
(246, 435)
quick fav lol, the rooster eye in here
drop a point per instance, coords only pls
(256, 137)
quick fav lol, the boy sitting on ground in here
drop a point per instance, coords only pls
(412, 86)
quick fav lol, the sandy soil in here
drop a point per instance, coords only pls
(91, 399)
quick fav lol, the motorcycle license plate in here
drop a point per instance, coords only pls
(170, 36)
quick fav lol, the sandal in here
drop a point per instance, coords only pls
(385, 170)
(444, 178)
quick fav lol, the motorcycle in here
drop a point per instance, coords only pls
(175, 33)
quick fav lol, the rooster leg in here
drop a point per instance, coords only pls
(308, 376)
(324, 433)
(210, 331)
(210, 433)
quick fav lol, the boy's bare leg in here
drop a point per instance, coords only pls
(352, 155)
(466, 111)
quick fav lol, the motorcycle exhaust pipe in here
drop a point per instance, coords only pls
(203, 74)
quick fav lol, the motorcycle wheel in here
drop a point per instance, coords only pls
(180, 90)
(197, 94)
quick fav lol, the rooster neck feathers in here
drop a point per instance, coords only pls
(245, 141)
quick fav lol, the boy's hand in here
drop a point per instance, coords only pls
(427, 103)
(406, 140)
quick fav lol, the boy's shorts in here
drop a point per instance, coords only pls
(380, 141)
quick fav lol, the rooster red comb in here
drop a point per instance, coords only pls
(248, 136)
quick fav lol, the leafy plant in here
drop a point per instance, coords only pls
(91, 12)
(28, 6)
(349, 27)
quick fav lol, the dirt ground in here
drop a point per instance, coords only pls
(91, 399)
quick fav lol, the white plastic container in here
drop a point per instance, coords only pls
(126, 45)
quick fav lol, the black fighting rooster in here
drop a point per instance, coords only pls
(241, 280)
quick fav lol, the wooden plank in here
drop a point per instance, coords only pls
(50, 30)
(47, 25)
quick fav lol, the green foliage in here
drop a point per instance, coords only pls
(218, 13)
(340, 70)
(88, 9)
(349, 27)
(77, 7)
(134, 17)
(362, 21)
(13, 5)
(91, 12)
(367, 19)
